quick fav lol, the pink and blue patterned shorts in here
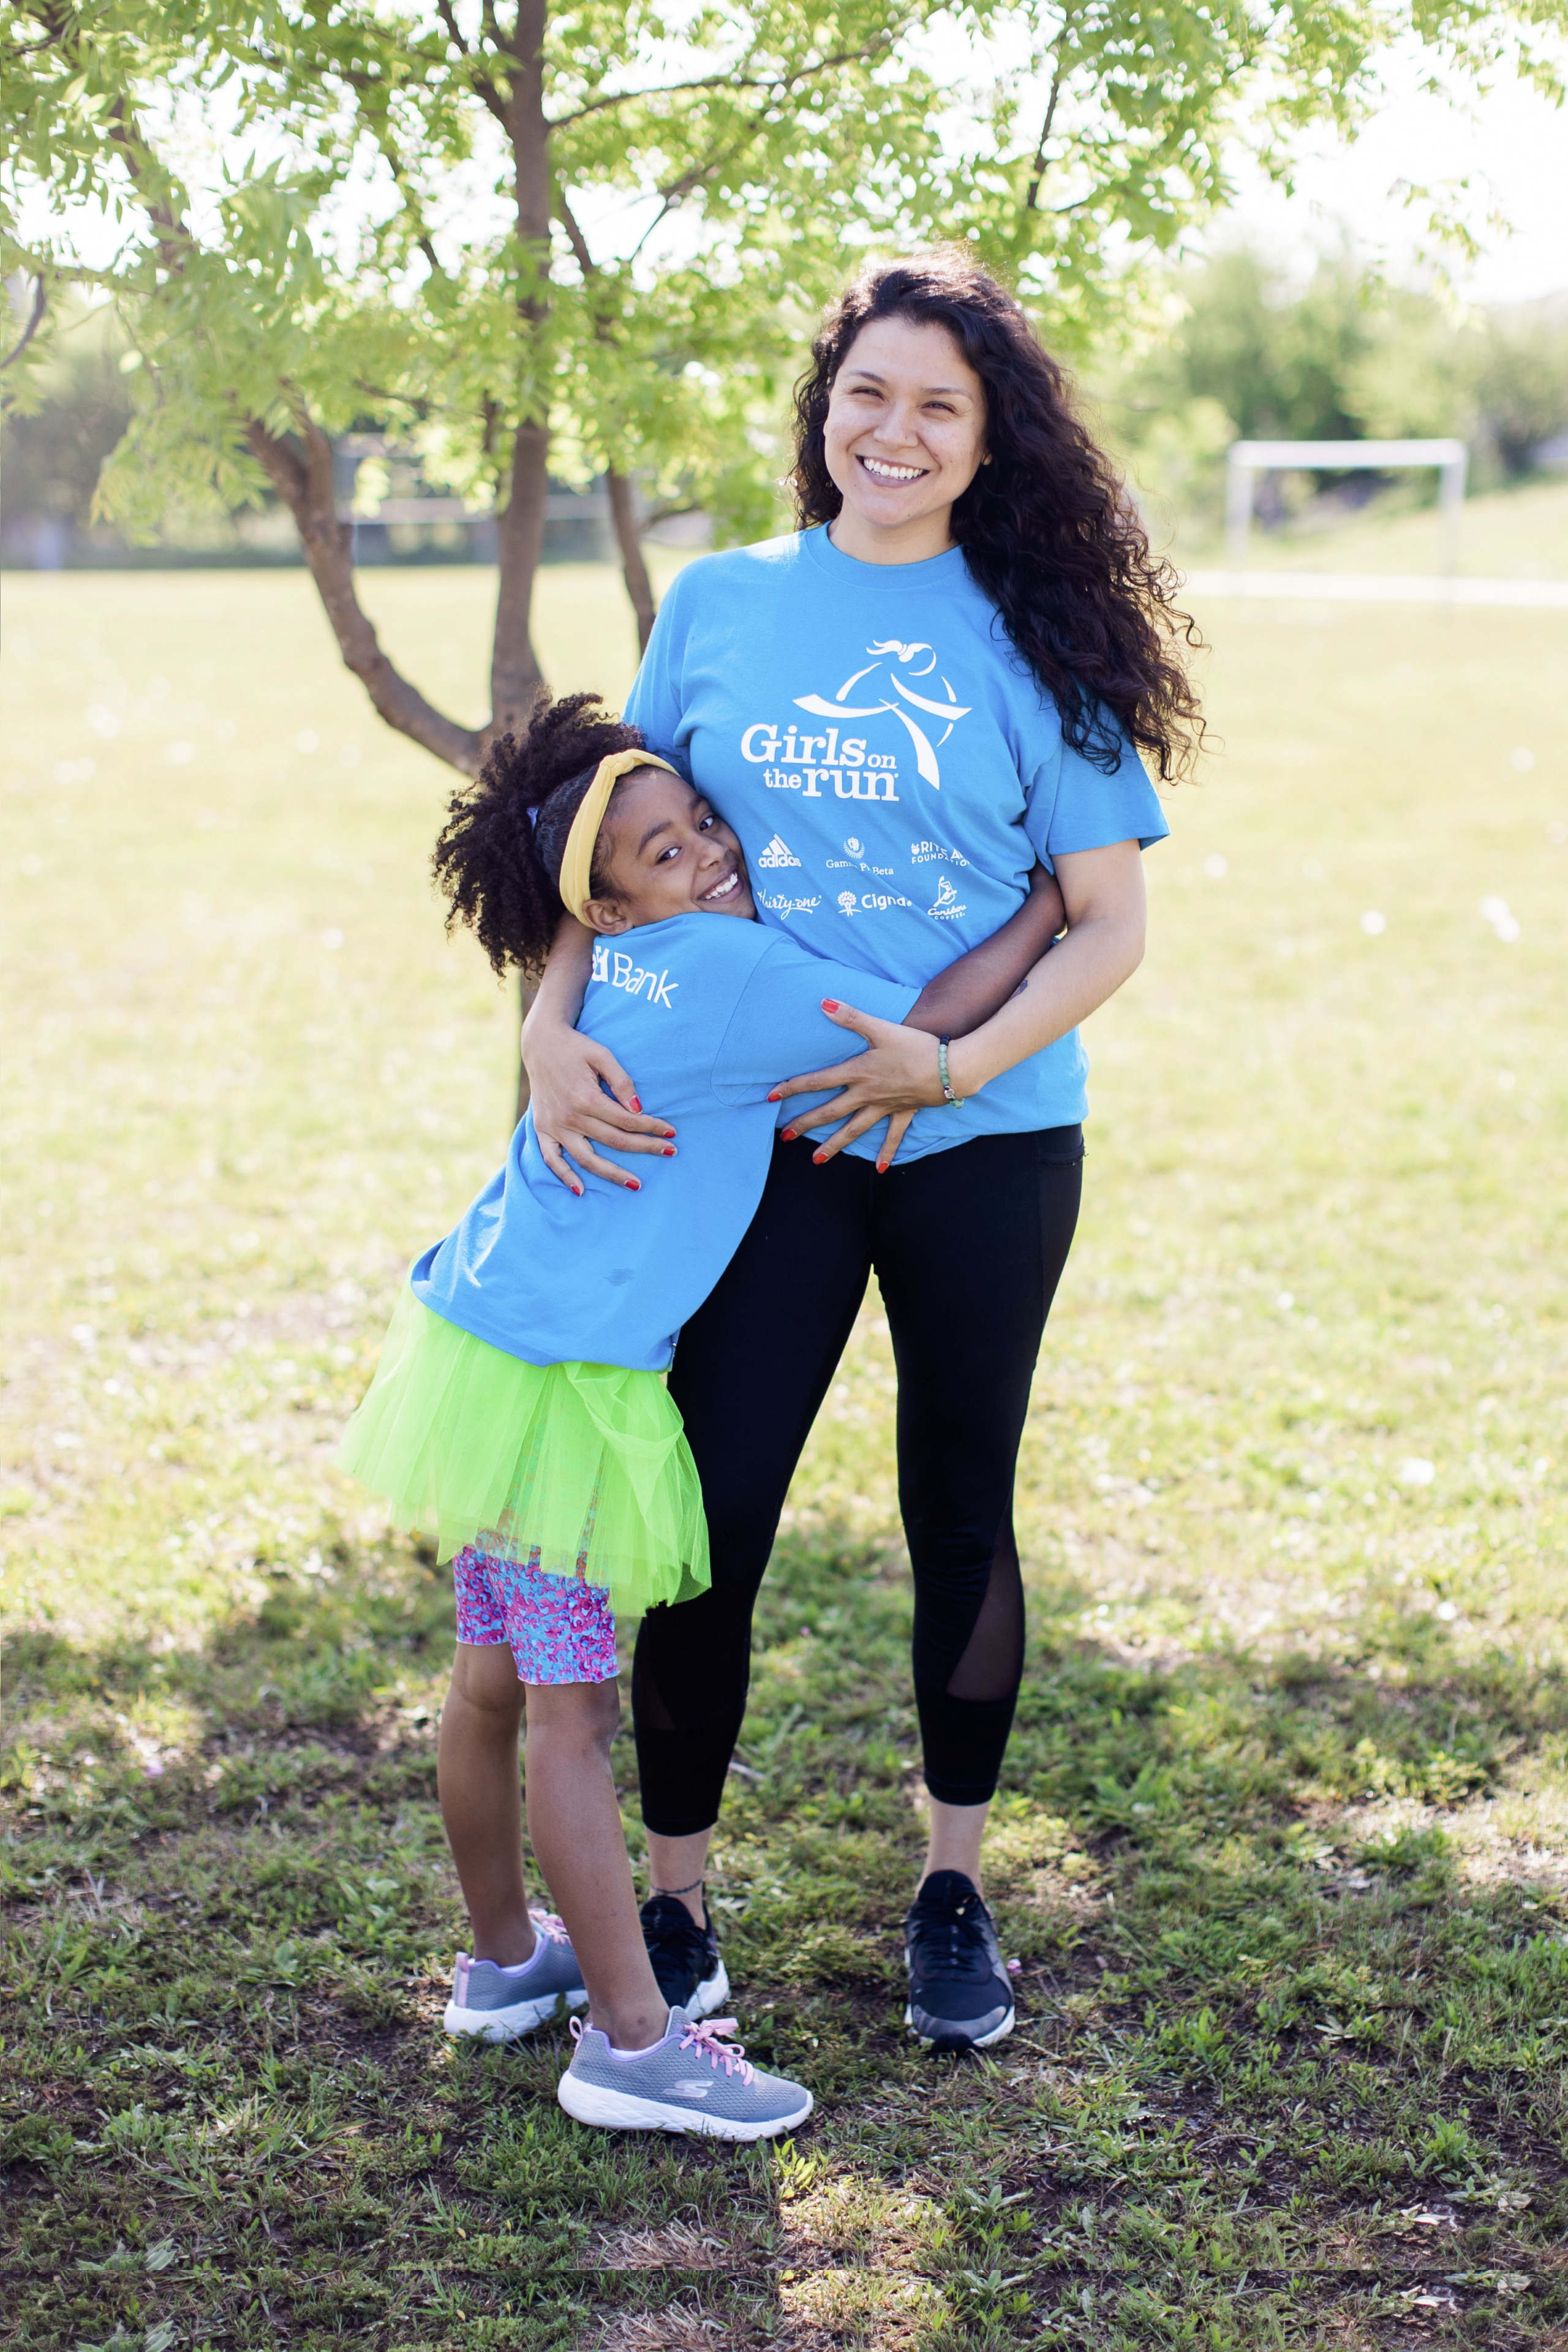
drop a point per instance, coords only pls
(559, 1628)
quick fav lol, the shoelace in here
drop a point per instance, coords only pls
(702, 2035)
(959, 1923)
(550, 1924)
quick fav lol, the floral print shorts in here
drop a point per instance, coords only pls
(559, 1628)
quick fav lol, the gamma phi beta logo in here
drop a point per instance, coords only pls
(892, 684)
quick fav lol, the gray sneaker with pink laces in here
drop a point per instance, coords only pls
(498, 2004)
(695, 2080)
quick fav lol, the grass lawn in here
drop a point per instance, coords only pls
(1283, 1846)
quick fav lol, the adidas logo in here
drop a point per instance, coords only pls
(775, 853)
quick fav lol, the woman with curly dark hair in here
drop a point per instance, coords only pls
(964, 658)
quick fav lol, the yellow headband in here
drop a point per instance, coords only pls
(577, 864)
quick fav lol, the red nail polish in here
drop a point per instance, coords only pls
(819, 1159)
(786, 1135)
(577, 1192)
(775, 1095)
(669, 1135)
(881, 1166)
(633, 1185)
(668, 1151)
(830, 1005)
(635, 1104)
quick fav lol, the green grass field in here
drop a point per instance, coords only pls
(1283, 1848)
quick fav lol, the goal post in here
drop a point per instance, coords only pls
(1247, 459)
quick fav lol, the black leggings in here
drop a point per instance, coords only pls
(968, 1246)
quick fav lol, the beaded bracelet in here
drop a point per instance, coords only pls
(947, 1094)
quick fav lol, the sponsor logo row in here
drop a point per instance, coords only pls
(946, 906)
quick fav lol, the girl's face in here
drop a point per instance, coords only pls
(905, 434)
(666, 854)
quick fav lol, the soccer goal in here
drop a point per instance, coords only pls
(1247, 459)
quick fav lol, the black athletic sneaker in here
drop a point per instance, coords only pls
(959, 1994)
(687, 1965)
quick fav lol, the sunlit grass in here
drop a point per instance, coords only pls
(1284, 1848)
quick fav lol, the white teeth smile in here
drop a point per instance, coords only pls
(886, 473)
(722, 890)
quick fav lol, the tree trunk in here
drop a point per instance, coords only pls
(516, 679)
(634, 571)
(305, 486)
(515, 676)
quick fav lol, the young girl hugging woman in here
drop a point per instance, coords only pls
(518, 1414)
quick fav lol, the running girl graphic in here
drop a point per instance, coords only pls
(908, 657)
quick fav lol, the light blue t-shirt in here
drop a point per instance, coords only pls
(892, 769)
(706, 1011)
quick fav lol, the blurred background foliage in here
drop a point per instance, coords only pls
(1239, 350)
(1246, 352)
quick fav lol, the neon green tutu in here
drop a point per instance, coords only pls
(577, 1469)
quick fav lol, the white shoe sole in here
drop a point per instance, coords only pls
(607, 2110)
(978, 2041)
(507, 2024)
(711, 1995)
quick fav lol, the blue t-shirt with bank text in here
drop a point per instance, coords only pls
(706, 1011)
(892, 768)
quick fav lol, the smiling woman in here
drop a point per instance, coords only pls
(969, 641)
(904, 439)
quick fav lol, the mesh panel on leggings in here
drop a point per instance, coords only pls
(992, 1659)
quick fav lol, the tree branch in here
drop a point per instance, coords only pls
(305, 485)
(381, 132)
(448, 16)
(1031, 202)
(783, 83)
(40, 304)
(623, 498)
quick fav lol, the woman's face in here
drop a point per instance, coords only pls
(905, 434)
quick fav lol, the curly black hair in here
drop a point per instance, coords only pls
(1048, 531)
(499, 856)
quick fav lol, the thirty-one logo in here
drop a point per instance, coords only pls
(947, 906)
(619, 970)
(916, 661)
(785, 907)
(777, 854)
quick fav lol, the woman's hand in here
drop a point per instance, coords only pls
(572, 1112)
(896, 1077)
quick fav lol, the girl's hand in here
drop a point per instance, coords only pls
(896, 1077)
(572, 1112)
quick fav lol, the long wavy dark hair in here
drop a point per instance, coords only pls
(1047, 529)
